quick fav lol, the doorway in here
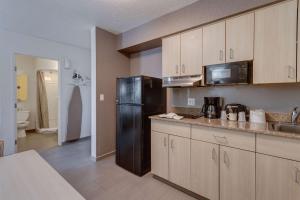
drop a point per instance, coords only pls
(37, 96)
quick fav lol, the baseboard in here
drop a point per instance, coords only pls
(98, 158)
(188, 192)
(31, 131)
(77, 140)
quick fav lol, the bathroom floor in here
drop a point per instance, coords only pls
(37, 142)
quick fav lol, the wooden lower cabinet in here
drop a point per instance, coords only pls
(277, 178)
(218, 172)
(237, 174)
(205, 169)
(179, 161)
(160, 154)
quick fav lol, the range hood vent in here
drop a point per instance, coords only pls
(183, 81)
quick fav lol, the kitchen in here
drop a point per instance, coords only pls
(233, 135)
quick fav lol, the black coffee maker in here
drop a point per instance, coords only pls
(212, 107)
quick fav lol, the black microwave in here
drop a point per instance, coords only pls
(229, 73)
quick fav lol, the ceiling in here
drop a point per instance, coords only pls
(70, 20)
(118, 16)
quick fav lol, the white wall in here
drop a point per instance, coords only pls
(17, 43)
(46, 19)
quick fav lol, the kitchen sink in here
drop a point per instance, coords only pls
(286, 127)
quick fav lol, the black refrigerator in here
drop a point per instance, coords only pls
(137, 98)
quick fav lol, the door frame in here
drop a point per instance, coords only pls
(59, 72)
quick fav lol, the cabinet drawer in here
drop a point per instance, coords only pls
(278, 146)
(237, 139)
(173, 128)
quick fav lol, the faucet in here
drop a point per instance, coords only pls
(295, 115)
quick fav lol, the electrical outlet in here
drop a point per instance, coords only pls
(191, 101)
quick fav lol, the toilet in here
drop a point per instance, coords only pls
(22, 123)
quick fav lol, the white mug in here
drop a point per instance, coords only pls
(242, 116)
(232, 116)
(223, 115)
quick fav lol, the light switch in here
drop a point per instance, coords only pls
(101, 97)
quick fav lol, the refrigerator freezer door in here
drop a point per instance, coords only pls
(153, 96)
(129, 90)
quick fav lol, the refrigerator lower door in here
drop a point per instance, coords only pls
(129, 133)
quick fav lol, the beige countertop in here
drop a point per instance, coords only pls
(231, 125)
(27, 176)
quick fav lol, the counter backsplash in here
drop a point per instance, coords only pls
(270, 116)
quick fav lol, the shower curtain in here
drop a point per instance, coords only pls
(42, 102)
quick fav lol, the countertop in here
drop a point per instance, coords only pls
(232, 125)
(27, 176)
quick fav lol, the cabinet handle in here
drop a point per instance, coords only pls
(297, 177)
(221, 139)
(172, 144)
(291, 72)
(221, 55)
(214, 155)
(183, 68)
(231, 53)
(226, 159)
(165, 142)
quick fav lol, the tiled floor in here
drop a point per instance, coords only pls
(104, 180)
(37, 142)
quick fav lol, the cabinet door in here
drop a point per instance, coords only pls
(277, 179)
(179, 161)
(275, 43)
(191, 52)
(237, 174)
(159, 154)
(214, 43)
(240, 38)
(171, 56)
(205, 169)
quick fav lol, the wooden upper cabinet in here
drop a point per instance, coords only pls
(214, 44)
(191, 52)
(237, 174)
(276, 178)
(171, 56)
(240, 38)
(275, 43)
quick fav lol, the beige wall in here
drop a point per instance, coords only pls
(146, 63)
(272, 98)
(198, 13)
(109, 65)
(149, 63)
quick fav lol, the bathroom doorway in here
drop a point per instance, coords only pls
(37, 97)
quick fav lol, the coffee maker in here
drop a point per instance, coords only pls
(212, 107)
